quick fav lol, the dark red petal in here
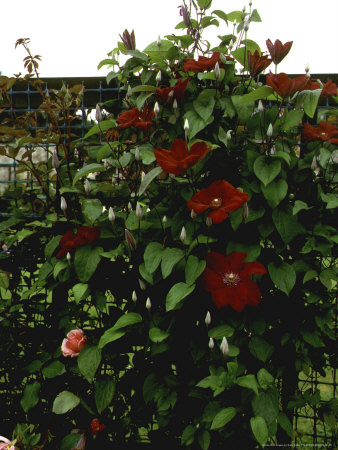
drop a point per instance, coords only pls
(217, 262)
(251, 268)
(197, 206)
(235, 261)
(179, 149)
(249, 292)
(211, 280)
(218, 215)
(228, 296)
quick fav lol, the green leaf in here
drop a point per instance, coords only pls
(309, 101)
(223, 417)
(86, 260)
(204, 104)
(110, 335)
(253, 251)
(150, 388)
(266, 169)
(259, 429)
(188, 435)
(221, 15)
(86, 170)
(88, 361)
(53, 370)
(64, 402)
(91, 209)
(255, 17)
(286, 224)
(4, 279)
(204, 439)
(328, 278)
(144, 88)
(291, 119)
(193, 269)
(275, 192)
(70, 441)
(157, 335)
(176, 294)
(170, 257)
(142, 98)
(104, 393)
(266, 405)
(152, 256)
(260, 93)
(260, 348)
(298, 206)
(80, 291)
(265, 379)
(248, 381)
(51, 246)
(116, 332)
(102, 126)
(196, 123)
(204, 4)
(149, 177)
(240, 55)
(137, 54)
(30, 396)
(127, 319)
(283, 276)
(235, 15)
(285, 423)
(310, 275)
(220, 331)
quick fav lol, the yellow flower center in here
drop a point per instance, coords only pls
(231, 278)
(216, 202)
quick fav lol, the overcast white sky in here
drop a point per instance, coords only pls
(73, 36)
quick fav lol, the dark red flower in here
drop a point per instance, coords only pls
(324, 132)
(96, 426)
(257, 63)
(227, 278)
(220, 197)
(136, 118)
(171, 92)
(70, 241)
(329, 88)
(285, 86)
(278, 51)
(178, 159)
(203, 63)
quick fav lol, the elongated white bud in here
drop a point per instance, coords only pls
(175, 105)
(156, 108)
(138, 210)
(142, 175)
(130, 206)
(87, 186)
(134, 297)
(245, 211)
(63, 204)
(148, 304)
(98, 114)
(193, 215)
(183, 235)
(269, 132)
(142, 284)
(159, 42)
(207, 319)
(55, 160)
(217, 71)
(186, 125)
(224, 346)
(130, 239)
(137, 153)
(307, 68)
(246, 25)
(158, 76)
(164, 220)
(208, 221)
(211, 343)
(260, 106)
(111, 214)
(69, 257)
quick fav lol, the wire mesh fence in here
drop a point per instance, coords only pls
(311, 424)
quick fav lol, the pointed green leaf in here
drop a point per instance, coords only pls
(170, 257)
(88, 361)
(193, 269)
(248, 381)
(91, 209)
(64, 402)
(176, 294)
(157, 335)
(283, 276)
(102, 126)
(223, 417)
(30, 396)
(149, 177)
(259, 429)
(54, 369)
(152, 256)
(204, 104)
(266, 169)
(275, 192)
(104, 393)
(86, 260)
(86, 170)
(260, 348)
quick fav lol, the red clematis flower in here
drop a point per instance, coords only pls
(136, 118)
(324, 132)
(171, 92)
(203, 63)
(227, 278)
(221, 197)
(70, 241)
(285, 86)
(257, 63)
(96, 426)
(329, 88)
(278, 51)
(178, 159)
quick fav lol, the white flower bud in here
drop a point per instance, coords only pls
(164, 220)
(159, 42)
(208, 221)
(158, 76)
(138, 210)
(193, 215)
(245, 211)
(175, 105)
(130, 206)
(87, 186)
(260, 106)
(148, 304)
(307, 68)
(224, 346)
(207, 319)
(142, 175)
(156, 108)
(63, 204)
(134, 297)
(142, 284)
(217, 71)
(231, 45)
(186, 125)
(111, 214)
(69, 257)
(246, 25)
(183, 235)
(269, 132)
(137, 153)
(211, 343)
(55, 160)
(98, 115)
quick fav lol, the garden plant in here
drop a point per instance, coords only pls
(177, 272)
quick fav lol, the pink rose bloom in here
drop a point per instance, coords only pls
(7, 445)
(74, 343)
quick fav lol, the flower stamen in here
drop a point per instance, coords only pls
(231, 278)
(216, 202)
